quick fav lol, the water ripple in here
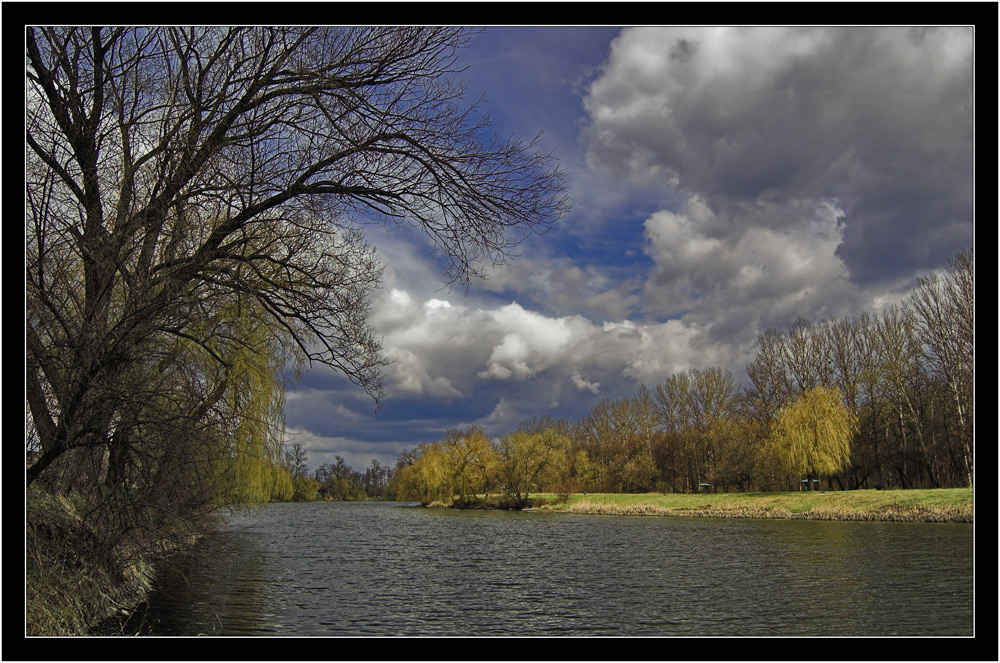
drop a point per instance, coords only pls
(382, 569)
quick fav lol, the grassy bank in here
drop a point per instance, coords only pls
(937, 505)
(78, 574)
(71, 581)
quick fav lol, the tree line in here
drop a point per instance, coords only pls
(467, 468)
(329, 481)
(877, 400)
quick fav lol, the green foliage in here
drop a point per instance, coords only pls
(812, 435)
(422, 479)
(529, 462)
(282, 488)
(470, 462)
(585, 472)
(638, 474)
(306, 489)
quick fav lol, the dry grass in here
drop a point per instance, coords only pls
(942, 505)
(73, 580)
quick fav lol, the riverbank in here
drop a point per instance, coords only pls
(81, 576)
(932, 505)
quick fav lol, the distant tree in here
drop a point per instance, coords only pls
(306, 489)
(295, 460)
(644, 408)
(738, 443)
(843, 337)
(694, 408)
(904, 380)
(463, 453)
(480, 468)
(611, 433)
(376, 479)
(545, 422)
(528, 461)
(811, 436)
(426, 478)
(804, 355)
(770, 383)
(585, 473)
(638, 475)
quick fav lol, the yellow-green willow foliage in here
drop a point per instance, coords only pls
(282, 488)
(812, 435)
(427, 478)
(469, 463)
(530, 462)
(251, 408)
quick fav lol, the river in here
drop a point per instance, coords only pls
(378, 568)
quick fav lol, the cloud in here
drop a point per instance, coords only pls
(583, 384)
(877, 120)
(555, 284)
(452, 350)
(735, 179)
(720, 271)
(444, 349)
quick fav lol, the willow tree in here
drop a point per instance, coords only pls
(427, 478)
(811, 436)
(185, 185)
(529, 461)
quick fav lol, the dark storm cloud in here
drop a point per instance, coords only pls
(877, 119)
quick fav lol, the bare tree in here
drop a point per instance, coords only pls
(842, 338)
(805, 355)
(944, 308)
(770, 383)
(188, 185)
(698, 406)
(295, 460)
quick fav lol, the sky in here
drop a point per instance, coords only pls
(723, 182)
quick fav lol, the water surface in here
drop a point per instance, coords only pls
(370, 568)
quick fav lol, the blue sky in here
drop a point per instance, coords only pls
(723, 181)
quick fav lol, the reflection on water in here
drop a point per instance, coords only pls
(384, 569)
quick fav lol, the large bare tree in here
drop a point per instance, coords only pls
(194, 198)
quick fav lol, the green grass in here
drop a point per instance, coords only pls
(933, 505)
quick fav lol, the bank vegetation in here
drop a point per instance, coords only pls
(916, 505)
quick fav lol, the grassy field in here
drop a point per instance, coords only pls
(934, 505)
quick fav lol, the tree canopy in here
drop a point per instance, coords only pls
(812, 435)
(195, 200)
